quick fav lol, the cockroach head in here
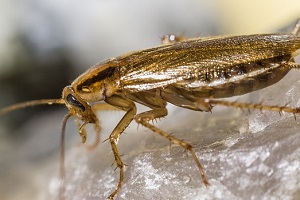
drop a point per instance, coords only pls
(77, 106)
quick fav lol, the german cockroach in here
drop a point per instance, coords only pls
(189, 73)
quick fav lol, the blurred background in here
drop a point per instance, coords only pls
(44, 45)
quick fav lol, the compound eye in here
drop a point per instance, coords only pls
(74, 102)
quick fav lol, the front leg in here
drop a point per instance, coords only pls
(143, 119)
(130, 108)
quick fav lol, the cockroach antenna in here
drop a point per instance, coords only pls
(26, 104)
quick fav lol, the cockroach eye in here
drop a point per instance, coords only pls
(74, 102)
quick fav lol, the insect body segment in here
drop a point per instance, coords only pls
(98, 82)
(192, 74)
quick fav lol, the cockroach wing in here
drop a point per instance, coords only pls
(161, 66)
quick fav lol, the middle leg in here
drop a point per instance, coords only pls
(145, 117)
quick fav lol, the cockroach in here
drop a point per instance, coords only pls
(190, 73)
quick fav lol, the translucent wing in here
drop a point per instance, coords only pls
(197, 58)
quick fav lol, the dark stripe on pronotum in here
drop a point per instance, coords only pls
(98, 77)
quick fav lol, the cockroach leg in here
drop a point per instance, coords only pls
(97, 126)
(103, 107)
(97, 138)
(130, 108)
(241, 105)
(98, 108)
(181, 101)
(81, 129)
(83, 134)
(143, 119)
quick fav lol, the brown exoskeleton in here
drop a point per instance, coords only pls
(189, 73)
